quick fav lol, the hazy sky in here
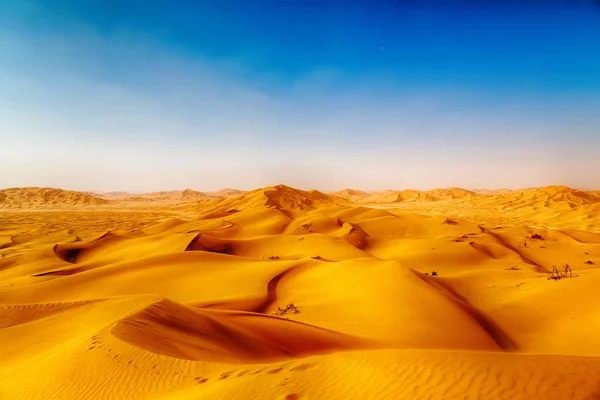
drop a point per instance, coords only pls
(157, 95)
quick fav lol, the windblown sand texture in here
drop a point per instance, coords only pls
(177, 297)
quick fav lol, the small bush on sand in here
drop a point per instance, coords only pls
(557, 275)
(513, 268)
(535, 236)
(589, 262)
(450, 221)
(289, 309)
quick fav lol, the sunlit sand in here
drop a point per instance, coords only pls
(281, 294)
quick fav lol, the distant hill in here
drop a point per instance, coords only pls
(285, 197)
(279, 197)
(595, 193)
(489, 192)
(171, 195)
(553, 197)
(111, 195)
(450, 194)
(351, 194)
(407, 195)
(175, 195)
(36, 197)
(226, 193)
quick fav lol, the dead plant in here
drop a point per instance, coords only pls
(535, 236)
(289, 309)
(557, 275)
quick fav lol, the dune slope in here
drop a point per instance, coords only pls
(49, 198)
(280, 293)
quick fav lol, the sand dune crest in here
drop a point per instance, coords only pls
(220, 336)
(441, 294)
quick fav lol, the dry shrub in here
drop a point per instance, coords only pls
(535, 236)
(289, 309)
(557, 275)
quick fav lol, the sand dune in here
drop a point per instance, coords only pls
(279, 197)
(179, 195)
(226, 193)
(558, 197)
(351, 194)
(281, 293)
(224, 336)
(408, 195)
(112, 195)
(450, 194)
(544, 194)
(172, 195)
(35, 197)
(486, 192)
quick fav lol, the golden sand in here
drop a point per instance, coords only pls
(184, 295)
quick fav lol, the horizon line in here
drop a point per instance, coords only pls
(296, 188)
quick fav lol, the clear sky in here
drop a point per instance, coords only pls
(157, 95)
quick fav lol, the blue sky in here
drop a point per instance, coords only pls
(156, 95)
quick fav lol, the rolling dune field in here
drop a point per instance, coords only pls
(285, 294)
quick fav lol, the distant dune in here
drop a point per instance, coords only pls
(35, 197)
(488, 192)
(172, 195)
(553, 197)
(279, 197)
(226, 193)
(408, 195)
(450, 194)
(111, 195)
(287, 294)
(351, 194)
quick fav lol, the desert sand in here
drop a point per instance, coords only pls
(280, 293)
